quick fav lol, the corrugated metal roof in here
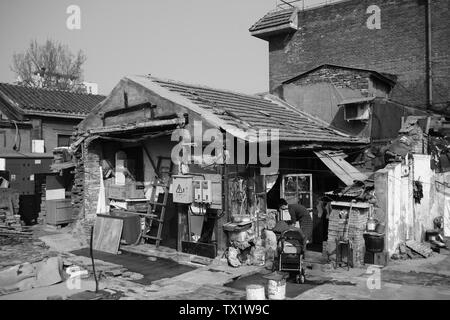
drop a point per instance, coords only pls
(335, 161)
(237, 112)
(50, 101)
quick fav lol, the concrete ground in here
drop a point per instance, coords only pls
(407, 279)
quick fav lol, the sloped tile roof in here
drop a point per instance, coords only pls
(50, 101)
(273, 19)
(246, 112)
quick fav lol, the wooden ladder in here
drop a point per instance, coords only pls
(153, 204)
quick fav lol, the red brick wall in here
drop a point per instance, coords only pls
(337, 34)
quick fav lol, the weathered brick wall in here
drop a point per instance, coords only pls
(338, 34)
(341, 78)
(351, 226)
(92, 156)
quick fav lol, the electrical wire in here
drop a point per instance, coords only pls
(16, 137)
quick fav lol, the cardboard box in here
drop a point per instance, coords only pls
(378, 258)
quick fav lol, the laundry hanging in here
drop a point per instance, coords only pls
(418, 191)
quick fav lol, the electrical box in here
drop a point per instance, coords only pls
(182, 189)
(202, 191)
(197, 191)
(206, 191)
(37, 146)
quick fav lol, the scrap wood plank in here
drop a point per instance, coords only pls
(107, 234)
(419, 248)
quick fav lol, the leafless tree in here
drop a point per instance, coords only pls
(50, 65)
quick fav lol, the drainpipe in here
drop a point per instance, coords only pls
(429, 63)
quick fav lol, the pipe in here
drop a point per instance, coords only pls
(429, 63)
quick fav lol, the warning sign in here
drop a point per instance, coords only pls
(183, 192)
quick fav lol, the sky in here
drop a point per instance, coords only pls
(195, 41)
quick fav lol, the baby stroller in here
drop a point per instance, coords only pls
(291, 252)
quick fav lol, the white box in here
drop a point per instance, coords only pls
(56, 194)
(37, 146)
(182, 189)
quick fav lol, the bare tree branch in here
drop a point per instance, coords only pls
(49, 65)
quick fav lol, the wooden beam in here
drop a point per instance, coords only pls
(155, 124)
(150, 159)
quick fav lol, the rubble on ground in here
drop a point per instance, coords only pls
(412, 250)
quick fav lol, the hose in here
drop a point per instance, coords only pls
(92, 259)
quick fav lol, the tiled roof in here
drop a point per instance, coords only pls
(273, 19)
(45, 101)
(245, 112)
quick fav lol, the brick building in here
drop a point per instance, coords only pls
(352, 100)
(386, 36)
(33, 122)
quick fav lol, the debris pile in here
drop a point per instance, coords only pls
(412, 250)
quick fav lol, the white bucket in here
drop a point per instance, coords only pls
(255, 292)
(276, 290)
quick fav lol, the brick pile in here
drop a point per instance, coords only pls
(349, 227)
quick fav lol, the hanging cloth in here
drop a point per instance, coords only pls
(101, 204)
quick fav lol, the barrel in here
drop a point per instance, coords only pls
(255, 292)
(276, 290)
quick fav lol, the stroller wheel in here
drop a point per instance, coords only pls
(300, 278)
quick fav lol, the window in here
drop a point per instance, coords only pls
(2, 140)
(63, 140)
(357, 111)
(297, 188)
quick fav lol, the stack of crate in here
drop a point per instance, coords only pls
(350, 225)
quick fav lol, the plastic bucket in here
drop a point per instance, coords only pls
(276, 290)
(255, 292)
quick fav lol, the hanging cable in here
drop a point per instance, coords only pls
(16, 146)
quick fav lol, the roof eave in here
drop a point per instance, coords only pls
(265, 34)
(52, 114)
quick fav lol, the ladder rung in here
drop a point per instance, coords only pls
(160, 185)
(146, 215)
(159, 220)
(152, 237)
(158, 204)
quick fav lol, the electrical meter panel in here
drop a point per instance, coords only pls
(202, 191)
(206, 191)
(197, 191)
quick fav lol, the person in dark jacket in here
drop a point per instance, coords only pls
(301, 214)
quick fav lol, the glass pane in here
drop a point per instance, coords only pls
(303, 183)
(290, 184)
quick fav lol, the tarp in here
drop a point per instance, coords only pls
(335, 161)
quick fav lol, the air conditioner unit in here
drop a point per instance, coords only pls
(357, 112)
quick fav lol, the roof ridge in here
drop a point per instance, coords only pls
(201, 86)
(50, 89)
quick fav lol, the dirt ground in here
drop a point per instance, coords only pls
(407, 279)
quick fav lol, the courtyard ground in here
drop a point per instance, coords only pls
(184, 277)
